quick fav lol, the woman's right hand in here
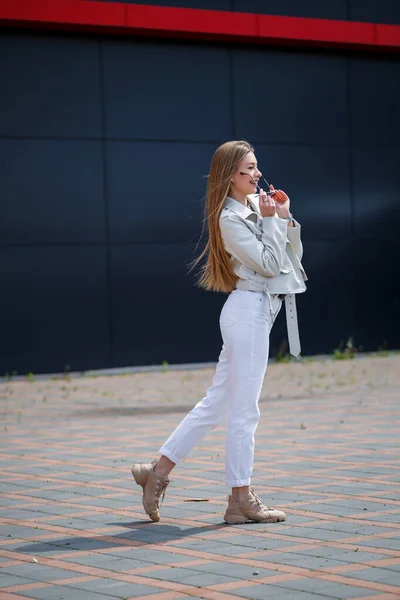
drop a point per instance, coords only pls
(267, 204)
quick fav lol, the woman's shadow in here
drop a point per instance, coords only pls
(140, 533)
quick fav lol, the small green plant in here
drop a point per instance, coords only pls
(344, 352)
(383, 350)
(31, 377)
(164, 366)
(66, 374)
(282, 356)
(9, 376)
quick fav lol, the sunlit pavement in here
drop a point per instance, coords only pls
(327, 453)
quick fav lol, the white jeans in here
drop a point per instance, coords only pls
(246, 321)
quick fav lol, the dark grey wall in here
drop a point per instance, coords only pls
(104, 145)
(375, 11)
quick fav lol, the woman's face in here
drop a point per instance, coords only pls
(245, 177)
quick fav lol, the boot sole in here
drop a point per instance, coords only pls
(236, 520)
(140, 474)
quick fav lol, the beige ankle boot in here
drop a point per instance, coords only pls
(153, 486)
(251, 508)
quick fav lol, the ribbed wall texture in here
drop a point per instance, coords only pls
(104, 146)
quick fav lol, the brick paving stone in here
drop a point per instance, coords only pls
(328, 447)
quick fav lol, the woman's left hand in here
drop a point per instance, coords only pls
(282, 202)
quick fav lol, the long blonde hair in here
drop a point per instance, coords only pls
(217, 274)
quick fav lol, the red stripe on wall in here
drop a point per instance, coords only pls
(162, 21)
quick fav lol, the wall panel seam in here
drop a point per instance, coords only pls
(106, 205)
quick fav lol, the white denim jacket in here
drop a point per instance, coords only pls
(266, 256)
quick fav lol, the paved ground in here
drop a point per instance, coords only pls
(71, 523)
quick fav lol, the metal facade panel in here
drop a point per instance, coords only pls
(377, 294)
(52, 192)
(157, 312)
(54, 309)
(328, 9)
(290, 97)
(166, 92)
(156, 190)
(59, 262)
(374, 94)
(327, 310)
(318, 181)
(376, 192)
(41, 77)
(375, 11)
(202, 4)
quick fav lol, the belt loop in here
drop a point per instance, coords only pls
(271, 310)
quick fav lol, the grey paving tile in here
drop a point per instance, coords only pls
(328, 535)
(106, 561)
(68, 593)
(332, 590)
(307, 562)
(7, 580)
(158, 557)
(347, 556)
(38, 572)
(226, 549)
(234, 570)
(393, 567)
(8, 502)
(326, 509)
(264, 592)
(81, 446)
(110, 503)
(114, 588)
(389, 518)
(18, 531)
(376, 574)
(189, 577)
(86, 544)
(388, 543)
(71, 523)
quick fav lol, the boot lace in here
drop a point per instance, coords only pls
(257, 500)
(160, 488)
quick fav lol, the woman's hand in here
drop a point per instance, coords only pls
(282, 202)
(267, 204)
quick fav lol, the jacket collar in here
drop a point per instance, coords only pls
(242, 209)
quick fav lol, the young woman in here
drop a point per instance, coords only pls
(253, 252)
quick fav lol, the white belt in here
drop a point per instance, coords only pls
(292, 325)
(291, 314)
